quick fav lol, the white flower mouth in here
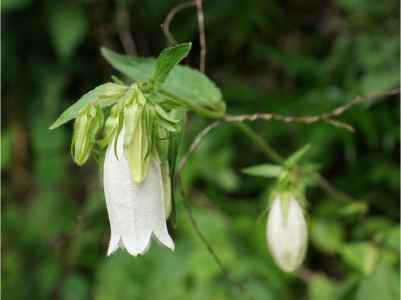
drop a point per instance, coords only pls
(136, 211)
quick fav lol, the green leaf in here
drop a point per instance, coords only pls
(363, 256)
(326, 234)
(183, 81)
(68, 24)
(265, 170)
(383, 284)
(166, 61)
(72, 112)
(321, 288)
(295, 157)
(353, 208)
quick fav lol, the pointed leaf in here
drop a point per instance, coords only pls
(72, 111)
(166, 61)
(183, 81)
(295, 157)
(265, 170)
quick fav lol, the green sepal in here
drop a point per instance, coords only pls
(173, 144)
(132, 111)
(291, 161)
(173, 213)
(138, 165)
(173, 127)
(112, 124)
(161, 114)
(155, 154)
(167, 104)
(118, 130)
(166, 189)
(265, 170)
(166, 61)
(162, 143)
(150, 114)
(101, 157)
(161, 149)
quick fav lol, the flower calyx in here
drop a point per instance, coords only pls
(143, 118)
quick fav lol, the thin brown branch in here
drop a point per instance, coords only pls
(201, 35)
(123, 29)
(338, 111)
(170, 39)
(326, 117)
(268, 117)
(191, 216)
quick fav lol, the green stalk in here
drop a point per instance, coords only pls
(269, 151)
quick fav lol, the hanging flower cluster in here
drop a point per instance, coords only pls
(136, 171)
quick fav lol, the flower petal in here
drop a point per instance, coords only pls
(287, 239)
(148, 205)
(117, 186)
(135, 210)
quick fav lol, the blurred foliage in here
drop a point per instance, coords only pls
(289, 57)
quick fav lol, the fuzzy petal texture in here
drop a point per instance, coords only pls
(287, 239)
(136, 211)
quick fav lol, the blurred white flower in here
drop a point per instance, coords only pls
(136, 211)
(287, 234)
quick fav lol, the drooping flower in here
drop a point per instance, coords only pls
(286, 232)
(136, 211)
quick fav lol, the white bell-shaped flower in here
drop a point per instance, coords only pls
(287, 234)
(136, 211)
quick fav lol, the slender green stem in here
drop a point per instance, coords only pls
(194, 107)
(269, 151)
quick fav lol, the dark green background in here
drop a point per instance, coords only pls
(289, 57)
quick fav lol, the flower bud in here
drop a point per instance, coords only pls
(87, 125)
(286, 232)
